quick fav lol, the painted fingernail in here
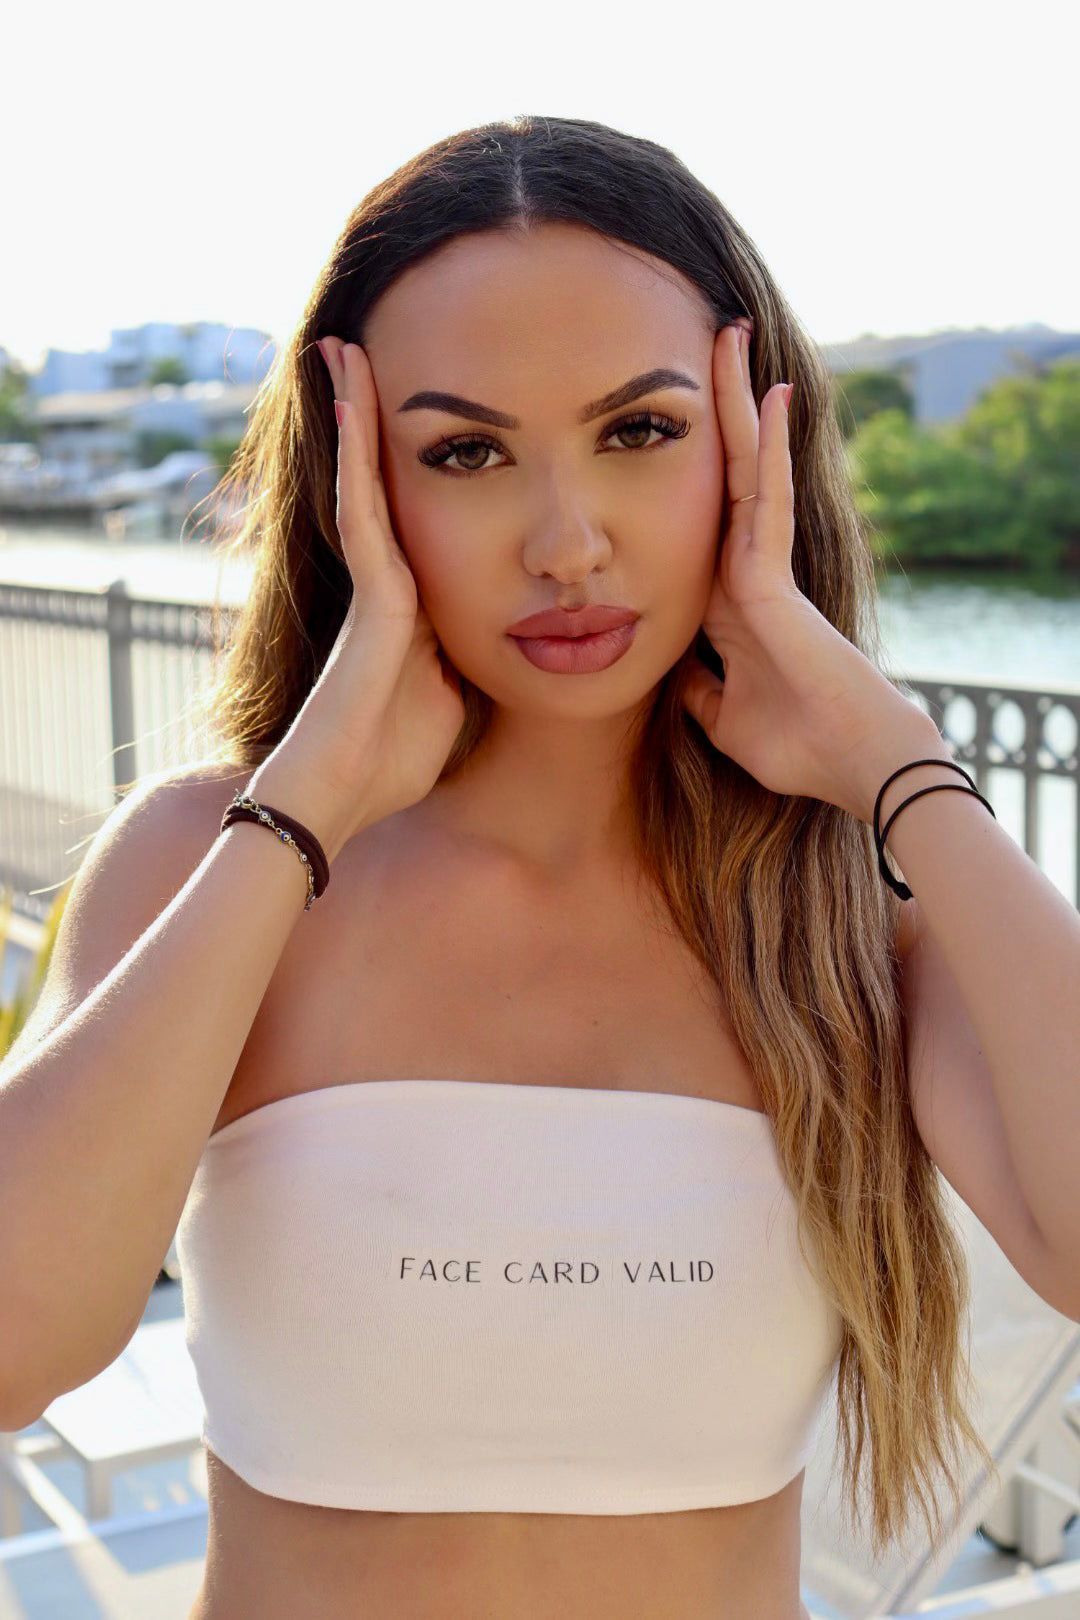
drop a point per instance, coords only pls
(339, 410)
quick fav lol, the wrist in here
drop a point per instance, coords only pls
(287, 785)
(901, 745)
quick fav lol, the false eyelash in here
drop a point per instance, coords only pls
(672, 427)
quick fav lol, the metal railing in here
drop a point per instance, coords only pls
(94, 686)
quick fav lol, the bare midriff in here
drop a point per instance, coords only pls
(273, 1559)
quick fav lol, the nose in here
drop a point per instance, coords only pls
(565, 542)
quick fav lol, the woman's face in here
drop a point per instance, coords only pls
(555, 512)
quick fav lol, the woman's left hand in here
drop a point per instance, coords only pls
(799, 707)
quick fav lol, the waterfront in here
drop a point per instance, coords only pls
(935, 626)
(967, 625)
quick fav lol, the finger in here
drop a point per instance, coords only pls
(360, 390)
(356, 365)
(744, 354)
(738, 419)
(330, 349)
(774, 530)
(365, 401)
(363, 537)
(335, 351)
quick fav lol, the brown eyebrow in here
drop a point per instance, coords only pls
(430, 399)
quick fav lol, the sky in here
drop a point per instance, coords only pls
(900, 168)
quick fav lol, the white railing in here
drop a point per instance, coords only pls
(94, 686)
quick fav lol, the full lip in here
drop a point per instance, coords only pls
(570, 624)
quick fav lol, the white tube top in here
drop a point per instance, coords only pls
(477, 1296)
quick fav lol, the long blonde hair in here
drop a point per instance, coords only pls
(779, 897)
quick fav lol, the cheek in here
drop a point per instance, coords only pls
(688, 529)
(421, 527)
(442, 574)
(453, 569)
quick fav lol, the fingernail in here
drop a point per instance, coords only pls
(339, 410)
(322, 351)
(788, 388)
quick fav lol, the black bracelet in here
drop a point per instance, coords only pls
(879, 836)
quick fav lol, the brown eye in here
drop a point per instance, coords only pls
(439, 454)
(476, 446)
(640, 428)
(670, 427)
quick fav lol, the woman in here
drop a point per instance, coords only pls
(575, 1147)
(630, 880)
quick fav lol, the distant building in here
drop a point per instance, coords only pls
(208, 351)
(91, 410)
(947, 371)
(87, 435)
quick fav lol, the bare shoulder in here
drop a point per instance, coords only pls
(142, 855)
(200, 784)
(161, 831)
(208, 776)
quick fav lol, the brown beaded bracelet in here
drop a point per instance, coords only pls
(243, 808)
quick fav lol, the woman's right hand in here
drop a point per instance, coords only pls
(376, 728)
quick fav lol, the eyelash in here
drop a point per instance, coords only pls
(436, 456)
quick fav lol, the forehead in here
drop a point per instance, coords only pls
(560, 301)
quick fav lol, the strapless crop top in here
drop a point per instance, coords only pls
(478, 1296)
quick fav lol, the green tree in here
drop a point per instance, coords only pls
(1001, 486)
(221, 449)
(152, 448)
(18, 424)
(168, 370)
(1029, 427)
(859, 395)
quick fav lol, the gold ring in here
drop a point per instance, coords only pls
(739, 498)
